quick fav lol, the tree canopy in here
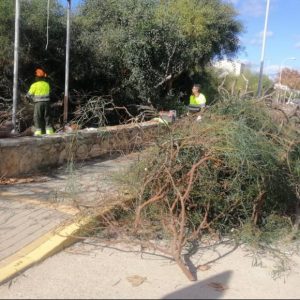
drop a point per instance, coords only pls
(247, 83)
(291, 78)
(142, 47)
(33, 20)
(137, 51)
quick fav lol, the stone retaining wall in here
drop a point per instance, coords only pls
(23, 155)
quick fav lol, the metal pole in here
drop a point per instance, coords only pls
(16, 63)
(263, 50)
(66, 95)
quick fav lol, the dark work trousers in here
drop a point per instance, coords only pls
(41, 117)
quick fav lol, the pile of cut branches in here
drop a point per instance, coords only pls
(233, 169)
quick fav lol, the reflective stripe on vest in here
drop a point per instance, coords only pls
(41, 98)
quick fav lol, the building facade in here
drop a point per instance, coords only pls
(230, 66)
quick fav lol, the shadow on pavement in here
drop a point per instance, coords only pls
(211, 288)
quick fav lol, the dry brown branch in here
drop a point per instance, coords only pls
(257, 207)
(200, 179)
(152, 200)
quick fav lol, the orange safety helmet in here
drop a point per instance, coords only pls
(40, 73)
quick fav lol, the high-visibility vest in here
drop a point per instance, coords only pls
(40, 91)
(198, 101)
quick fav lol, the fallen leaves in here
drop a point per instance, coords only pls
(203, 268)
(136, 280)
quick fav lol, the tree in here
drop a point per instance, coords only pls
(33, 20)
(290, 78)
(137, 51)
(141, 48)
(6, 48)
(6, 35)
(239, 85)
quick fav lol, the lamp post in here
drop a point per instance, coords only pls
(263, 50)
(281, 67)
(16, 62)
(66, 95)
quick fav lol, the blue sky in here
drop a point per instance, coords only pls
(283, 39)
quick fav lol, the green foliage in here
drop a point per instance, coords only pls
(245, 184)
(143, 53)
(209, 27)
(137, 51)
(6, 22)
(237, 84)
(33, 20)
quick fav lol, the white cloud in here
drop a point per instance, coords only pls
(272, 69)
(245, 61)
(254, 8)
(269, 33)
(257, 39)
(254, 41)
(233, 1)
(297, 45)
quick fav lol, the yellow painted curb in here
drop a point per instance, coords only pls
(41, 249)
(51, 243)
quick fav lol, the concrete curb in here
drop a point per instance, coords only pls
(40, 249)
(52, 243)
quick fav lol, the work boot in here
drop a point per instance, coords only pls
(37, 132)
(49, 130)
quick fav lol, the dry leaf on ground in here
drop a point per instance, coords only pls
(218, 286)
(136, 280)
(203, 268)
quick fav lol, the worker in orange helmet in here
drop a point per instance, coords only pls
(39, 92)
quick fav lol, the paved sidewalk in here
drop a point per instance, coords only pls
(22, 223)
(81, 185)
(28, 211)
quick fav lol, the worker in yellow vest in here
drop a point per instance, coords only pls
(39, 92)
(197, 99)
